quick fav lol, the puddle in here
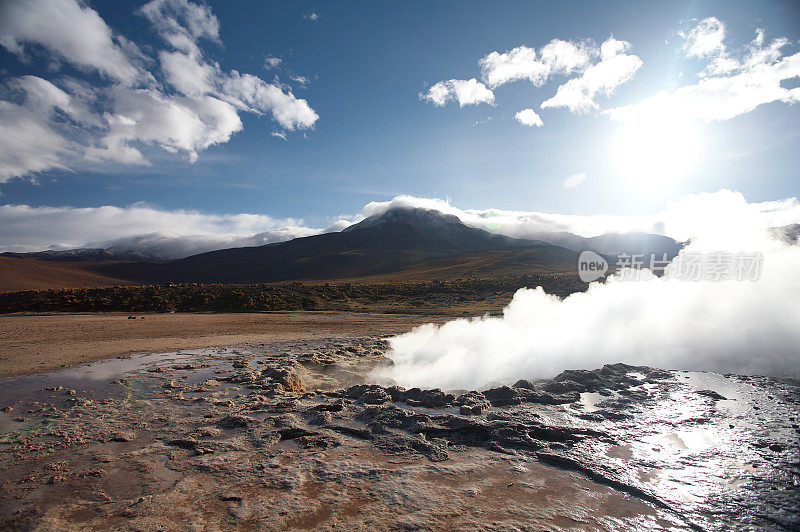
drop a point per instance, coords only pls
(589, 401)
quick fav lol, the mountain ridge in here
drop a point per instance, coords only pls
(608, 243)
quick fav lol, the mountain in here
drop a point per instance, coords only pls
(401, 244)
(615, 243)
(397, 240)
(415, 228)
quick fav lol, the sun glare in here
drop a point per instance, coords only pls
(654, 154)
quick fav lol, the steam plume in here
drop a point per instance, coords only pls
(730, 326)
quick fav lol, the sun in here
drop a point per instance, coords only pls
(656, 153)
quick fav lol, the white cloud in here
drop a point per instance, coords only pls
(313, 16)
(279, 134)
(27, 142)
(68, 30)
(173, 123)
(297, 78)
(465, 92)
(254, 94)
(189, 74)
(192, 105)
(516, 64)
(42, 97)
(30, 134)
(522, 62)
(272, 62)
(182, 23)
(565, 57)
(528, 117)
(705, 39)
(723, 93)
(558, 57)
(574, 180)
(615, 68)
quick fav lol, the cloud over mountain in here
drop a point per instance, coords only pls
(162, 233)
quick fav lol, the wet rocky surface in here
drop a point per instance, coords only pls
(293, 435)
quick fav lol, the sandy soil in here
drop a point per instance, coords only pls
(35, 344)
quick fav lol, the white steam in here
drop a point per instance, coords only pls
(729, 326)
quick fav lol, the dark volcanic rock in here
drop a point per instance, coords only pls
(522, 383)
(503, 396)
(428, 398)
(371, 394)
(472, 403)
(564, 386)
(375, 397)
(507, 396)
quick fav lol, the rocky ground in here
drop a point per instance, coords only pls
(292, 435)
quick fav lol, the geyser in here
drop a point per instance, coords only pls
(725, 325)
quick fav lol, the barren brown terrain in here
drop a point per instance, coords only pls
(18, 274)
(31, 274)
(34, 344)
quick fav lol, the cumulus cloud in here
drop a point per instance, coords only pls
(158, 232)
(313, 16)
(272, 62)
(528, 117)
(253, 94)
(558, 57)
(730, 326)
(186, 106)
(465, 92)
(704, 39)
(28, 142)
(30, 139)
(729, 86)
(69, 30)
(615, 68)
(173, 123)
(523, 62)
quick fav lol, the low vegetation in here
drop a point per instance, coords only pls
(456, 296)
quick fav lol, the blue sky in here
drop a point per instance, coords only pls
(366, 65)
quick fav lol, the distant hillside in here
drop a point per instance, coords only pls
(615, 243)
(398, 240)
